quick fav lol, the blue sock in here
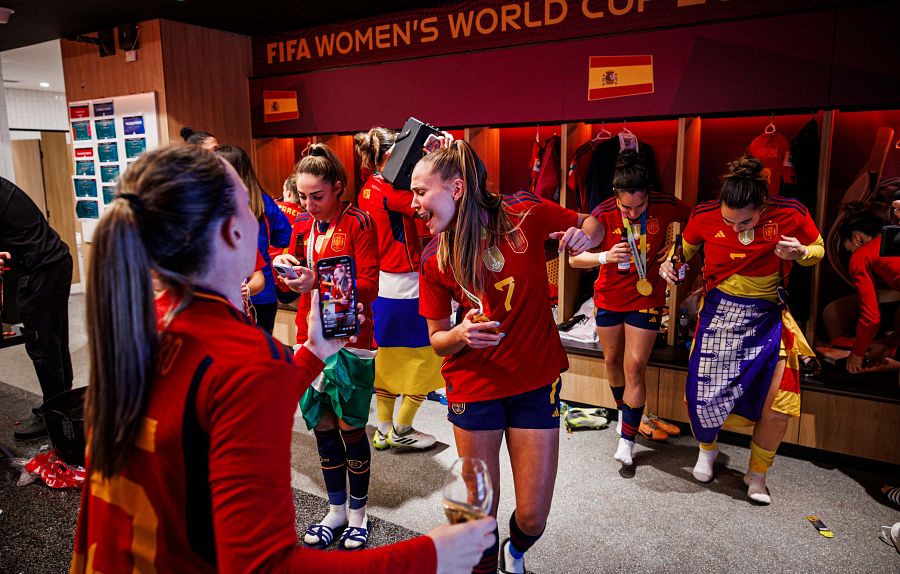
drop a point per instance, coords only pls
(519, 542)
(631, 420)
(618, 394)
(333, 460)
(359, 457)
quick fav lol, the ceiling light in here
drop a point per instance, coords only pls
(5, 13)
(45, 85)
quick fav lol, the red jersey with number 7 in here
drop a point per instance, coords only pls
(515, 283)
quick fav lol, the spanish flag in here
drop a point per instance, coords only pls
(280, 106)
(617, 76)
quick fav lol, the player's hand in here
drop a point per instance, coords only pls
(4, 257)
(855, 364)
(317, 344)
(435, 142)
(459, 547)
(306, 278)
(474, 335)
(573, 240)
(667, 272)
(663, 253)
(896, 206)
(618, 253)
(790, 248)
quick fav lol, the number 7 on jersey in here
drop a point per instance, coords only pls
(500, 285)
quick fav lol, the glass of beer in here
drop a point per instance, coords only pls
(467, 492)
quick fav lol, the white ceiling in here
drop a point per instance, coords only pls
(32, 65)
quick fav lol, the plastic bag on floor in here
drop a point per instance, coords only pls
(47, 466)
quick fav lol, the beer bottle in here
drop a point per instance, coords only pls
(679, 265)
(624, 266)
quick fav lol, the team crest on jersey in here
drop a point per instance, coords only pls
(517, 241)
(367, 193)
(493, 259)
(339, 241)
(652, 225)
(770, 231)
(746, 237)
(458, 408)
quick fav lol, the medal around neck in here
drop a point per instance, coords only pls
(493, 259)
(644, 287)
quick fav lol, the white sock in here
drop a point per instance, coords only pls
(623, 452)
(513, 565)
(357, 519)
(619, 425)
(384, 427)
(703, 470)
(401, 429)
(756, 487)
(336, 518)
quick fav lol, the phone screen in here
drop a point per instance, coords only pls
(336, 278)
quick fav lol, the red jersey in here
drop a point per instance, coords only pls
(352, 233)
(749, 255)
(865, 266)
(200, 492)
(774, 151)
(391, 210)
(615, 292)
(531, 354)
(291, 211)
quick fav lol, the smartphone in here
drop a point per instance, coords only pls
(336, 280)
(285, 271)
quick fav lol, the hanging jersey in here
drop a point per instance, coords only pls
(616, 292)
(577, 176)
(774, 150)
(515, 283)
(353, 234)
(391, 209)
(744, 264)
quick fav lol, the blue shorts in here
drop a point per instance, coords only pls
(642, 319)
(537, 409)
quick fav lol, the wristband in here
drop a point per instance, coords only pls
(602, 258)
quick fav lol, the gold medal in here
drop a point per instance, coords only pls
(493, 259)
(746, 237)
(644, 287)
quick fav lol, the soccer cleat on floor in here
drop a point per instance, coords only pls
(578, 418)
(380, 441)
(410, 439)
(703, 470)
(669, 428)
(756, 488)
(649, 429)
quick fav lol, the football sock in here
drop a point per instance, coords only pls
(408, 409)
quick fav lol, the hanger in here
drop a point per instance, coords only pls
(603, 134)
(770, 129)
(537, 133)
(627, 140)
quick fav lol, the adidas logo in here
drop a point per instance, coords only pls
(402, 440)
(720, 234)
(555, 412)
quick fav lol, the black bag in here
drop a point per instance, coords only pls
(407, 152)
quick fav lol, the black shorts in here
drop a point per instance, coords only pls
(536, 409)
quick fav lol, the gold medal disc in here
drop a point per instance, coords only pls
(644, 287)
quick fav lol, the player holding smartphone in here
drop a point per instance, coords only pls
(337, 404)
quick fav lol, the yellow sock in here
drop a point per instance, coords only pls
(707, 446)
(760, 459)
(408, 409)
(384, 403)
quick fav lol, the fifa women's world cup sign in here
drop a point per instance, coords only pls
(482, 24)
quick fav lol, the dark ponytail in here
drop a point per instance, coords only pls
(862, 217)
(320, 161)
(194, 137)
(746, 185)
(371, 146)
(631, 173)
(162, 220)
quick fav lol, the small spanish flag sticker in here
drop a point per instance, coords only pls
(617, 76)
(280, 106)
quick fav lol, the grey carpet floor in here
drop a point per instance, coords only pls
(653, 518)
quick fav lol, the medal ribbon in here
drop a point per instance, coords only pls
(312, 239)
(472, 297)
(640, 256)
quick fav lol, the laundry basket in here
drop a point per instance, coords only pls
(64, 417)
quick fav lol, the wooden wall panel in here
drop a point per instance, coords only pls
(26, 156)
(88, 76)
(57, 164)
(342, 146)
(206, 73)
(273, 160)
(852, 426)
(486, 143)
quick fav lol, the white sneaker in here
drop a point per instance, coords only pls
(756, 487)
(380, 441)
(623, 452)
(703, 470)
(508, 564)
(410, 439)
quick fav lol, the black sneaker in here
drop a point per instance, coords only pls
(30, 429)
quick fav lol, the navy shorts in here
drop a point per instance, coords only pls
(643, 319)
(537, 409)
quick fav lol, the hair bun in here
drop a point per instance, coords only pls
(185, 133)
(747, 167)
(627, 158)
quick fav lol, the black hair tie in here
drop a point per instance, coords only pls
(136, 203)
